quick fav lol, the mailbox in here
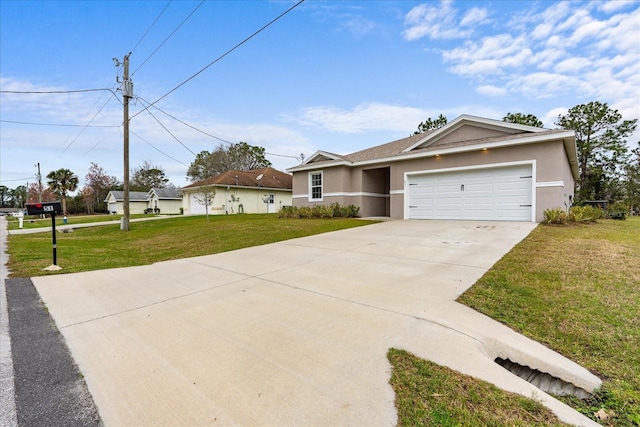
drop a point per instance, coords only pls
(44, 208)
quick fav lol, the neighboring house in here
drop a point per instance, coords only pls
(138, 202)
(472, 168)
(263, 190)
(165, 200)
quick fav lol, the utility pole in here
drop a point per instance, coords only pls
(39, 184)
(127, 94)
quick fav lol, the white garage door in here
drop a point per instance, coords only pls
(501, 194)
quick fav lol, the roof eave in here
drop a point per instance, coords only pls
(313, 166)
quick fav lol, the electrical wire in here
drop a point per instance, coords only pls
(168, 37)
(156, 148)
(226, 53)
(151, 26)
(17, 179)
(56, 124)
(95, 145)
(49, 92)
(186, 124)
(90, 121)
(206, 133)
(169, 132)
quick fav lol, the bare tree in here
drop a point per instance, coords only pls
(208, 196)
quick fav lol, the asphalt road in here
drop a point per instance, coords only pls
(49, 388)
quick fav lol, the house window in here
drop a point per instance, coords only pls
(315, 186)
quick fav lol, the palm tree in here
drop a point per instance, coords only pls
(61, 182)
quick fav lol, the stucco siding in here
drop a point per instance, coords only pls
(379, 189)
(235, 200)
(467, 133)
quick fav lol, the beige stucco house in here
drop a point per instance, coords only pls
(165, 200)
(263, 190)
(471, 169)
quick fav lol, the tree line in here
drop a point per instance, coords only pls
(608, 169)
(61, 183)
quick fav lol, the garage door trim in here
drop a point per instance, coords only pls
(531, 163)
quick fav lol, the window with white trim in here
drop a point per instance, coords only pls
(315, 186)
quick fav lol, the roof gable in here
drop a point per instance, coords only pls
(469, 128)
(322, 156)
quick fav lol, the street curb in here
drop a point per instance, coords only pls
(49, 388)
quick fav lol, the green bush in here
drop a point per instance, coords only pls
(582, 214)
(335, 210)
(618, 210)
(555, 216)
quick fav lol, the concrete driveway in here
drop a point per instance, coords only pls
(293, 333)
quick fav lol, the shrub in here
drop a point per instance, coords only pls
(581, 214)
(618, 210)
(555, 216)
(335, 210)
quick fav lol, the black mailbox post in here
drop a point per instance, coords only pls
(51, 208)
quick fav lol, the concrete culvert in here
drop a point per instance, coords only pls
(542, 380)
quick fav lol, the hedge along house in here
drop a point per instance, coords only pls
(471, 169)
(263, 190)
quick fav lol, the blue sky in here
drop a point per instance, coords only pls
(338, 76)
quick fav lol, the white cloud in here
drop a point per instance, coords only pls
(550, 118)
(475, 15)
(363, 118)
(491, 56)
(549, 50)
(572, 65)
(436, 21)
(489, 90)
(357, 25)
(545, 85)
(614, 5)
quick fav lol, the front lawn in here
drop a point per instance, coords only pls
(573, 288)
(147, 242)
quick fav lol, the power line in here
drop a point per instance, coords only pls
(206, 133)
(226, 53)
(56, 124)
(50, 92)
(169, 132)
(186, 124)
(156, 148)
(151, 26)
(95, 145)
(90, 121)
(17, 179)
(169, 36)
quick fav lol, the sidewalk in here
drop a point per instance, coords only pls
(81, 225)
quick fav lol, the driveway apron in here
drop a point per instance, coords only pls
(292, 333)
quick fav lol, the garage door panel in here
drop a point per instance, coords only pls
(503, 193)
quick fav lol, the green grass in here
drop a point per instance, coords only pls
(147, 242)
(577, 290)
(428, 394)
